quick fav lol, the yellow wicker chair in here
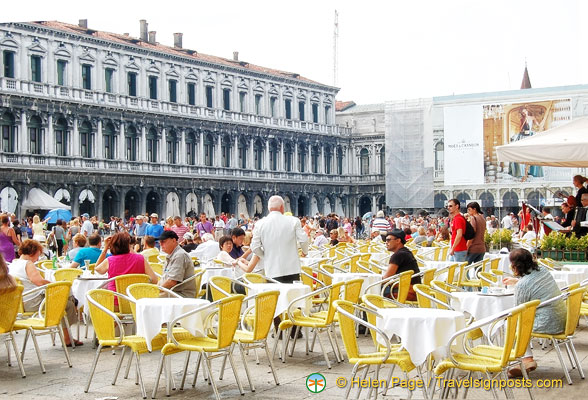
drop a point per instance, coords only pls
(156, 266)
(573, 300)
(403, 283)
(468, 274)
(319, 322)
(56, 297)
(229, 312)
(450, 271)
(384, 354)
(10, 301)
(67, 274)
(428, 276)
(426, 298)
(256, 337)
(223, 286)
(122, 282)
(101, 306)
(484, 365)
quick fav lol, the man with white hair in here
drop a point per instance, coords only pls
(207, 250)
(380, 223)
(320, 240)
(275, 240)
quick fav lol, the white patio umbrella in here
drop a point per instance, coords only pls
(563, 146)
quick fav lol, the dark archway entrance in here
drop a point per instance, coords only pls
(226, 203)
(487, 203)
(109, 205)
(302, 206)
(153, 202)
(510, 202)
(439, 201)
(87, 207)
(132, 203)
(365, 205)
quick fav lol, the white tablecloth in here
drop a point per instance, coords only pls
(218, 271)
(422, 331)
(568, 276)
(310, 261)
(80, 287)
(368, 279)
(583, 268)
(153, 312)
(288, 292)
(479, 305)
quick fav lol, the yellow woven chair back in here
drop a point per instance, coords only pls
(525, 328)
(56, 296)
(353, 262)
(324, 278)
(156, 266)
(573, 305)
(334, 294)
(379, 302)
(122, 282)
(441, 296)
(510, 332)
(494, 263)
(142, 291)
(265, 308)
(451, 274)
(573, 286)
(305, 279)
(229, 315)
(48, 264)
(103, 323)
(67, 274)
(353, 290)
(422, 301)
(198, 279)
(347, 327)
(404, 279)
(224, 283)
(255, 278)
(428, 276)
(487, 276)
(10, 301)
(154, 258)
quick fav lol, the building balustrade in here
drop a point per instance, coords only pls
(22, 87)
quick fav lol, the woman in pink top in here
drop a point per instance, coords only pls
(122, 261)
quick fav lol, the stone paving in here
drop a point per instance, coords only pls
(61, 382)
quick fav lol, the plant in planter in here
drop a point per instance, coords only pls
(499, 239)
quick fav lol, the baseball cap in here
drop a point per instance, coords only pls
(188, 236)
(154, 215)
(168, 235)
(399, 233)
(85, 215)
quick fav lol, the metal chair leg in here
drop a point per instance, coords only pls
(158, 375)
(128, 368)
(575, 354)
(138, 361)
(60, 331)
(271, 363)
(232, 362)
(186, 362)
(197, 368)
(221, 375)
(24, 345)
(526, 378)
(562, 362)
(323, 350)
(119, 364)
(241, 350)
(353, 373)
(38, 352)
(93, 368)
(18, 360)
(209, 370)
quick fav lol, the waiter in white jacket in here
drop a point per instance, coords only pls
(275, 240)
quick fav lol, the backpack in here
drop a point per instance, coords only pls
(469, 233)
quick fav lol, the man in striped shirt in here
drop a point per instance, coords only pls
(179, 228)
(380, 223)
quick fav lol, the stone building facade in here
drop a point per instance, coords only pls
(113, 125)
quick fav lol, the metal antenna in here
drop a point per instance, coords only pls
(336, 49)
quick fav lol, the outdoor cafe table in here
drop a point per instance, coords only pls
(310, 261)
(422, 331)
(368, 279)
(504, 263)
(583, 268)
(81, 285)
(288, 292)
(481, 305)
(153, 312)
(209, 272)
(569, 277)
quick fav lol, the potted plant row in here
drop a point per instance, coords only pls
(560, 247)
(498, 239)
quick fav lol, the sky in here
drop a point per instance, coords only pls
(387, 50)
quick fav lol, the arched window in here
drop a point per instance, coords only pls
(8, 128)
(463, 198)
(242, 153)
(440, 200)
(364, 162)
(152, 142)
(439, 156)
(288, 156)
(172, 144)
(131, 142)
(314, 159)
(302, 158)
(208, 150)
(258, 154)
(86, 140)
(226, 152)
(109, 138)
(383, 160)
(328, 159)
(190, 148)
(61, 137)
(273, 155)
(339, 161)
(36, 135)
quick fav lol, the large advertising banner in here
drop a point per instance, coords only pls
(505, 123)
(463, 145)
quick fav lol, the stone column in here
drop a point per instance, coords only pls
(251, 162)
(235, 152)
(282, 158)
(182, 158)
(22, 144)
(98, 143)
(143, 150)
(309, 159)
(218, 156)
(162, 147)
(121, 143)
(321, 163)
(200, 149)
(49, 143)
(266, 155)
